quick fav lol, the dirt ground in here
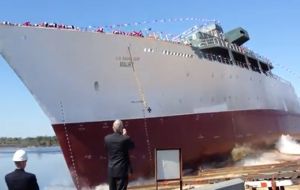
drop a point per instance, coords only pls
(286, 170)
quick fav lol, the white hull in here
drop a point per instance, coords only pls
(84, 76)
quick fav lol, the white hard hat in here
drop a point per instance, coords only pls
(20, 155)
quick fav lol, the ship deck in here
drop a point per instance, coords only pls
(284, 171)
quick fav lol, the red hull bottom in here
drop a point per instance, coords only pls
(198, 135)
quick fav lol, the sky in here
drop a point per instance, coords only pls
(273, 26)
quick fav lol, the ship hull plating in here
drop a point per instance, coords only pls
(200, 136)
(167, 94)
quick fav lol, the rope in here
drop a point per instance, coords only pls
(155, 21)
(163, 20)
(141, 92)
(146, 107)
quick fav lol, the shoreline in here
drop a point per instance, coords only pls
(39, 141)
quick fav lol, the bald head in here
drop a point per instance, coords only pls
(118, 126)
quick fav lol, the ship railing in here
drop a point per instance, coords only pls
(256, 55)
(224, 60)
(152, 35)
(197, 28)
(220, 42)
(228, 61)
(241, 49)
(216, 58)
(186, 33)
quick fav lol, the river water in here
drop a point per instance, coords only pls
(47, 164)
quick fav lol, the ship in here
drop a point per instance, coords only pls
(202, 91)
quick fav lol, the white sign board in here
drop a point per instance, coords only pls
(167, 164)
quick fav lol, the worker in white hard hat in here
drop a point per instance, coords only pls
(20, 179)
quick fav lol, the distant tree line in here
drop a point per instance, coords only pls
(29, 141)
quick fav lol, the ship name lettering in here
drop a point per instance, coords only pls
(124, 58)
(129, 58)
(125, 63)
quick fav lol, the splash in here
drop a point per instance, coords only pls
(260, 158)
(102, 187)
(286, 149)
(141, 181)
(287, 145)
(60, 185)
(240, 151)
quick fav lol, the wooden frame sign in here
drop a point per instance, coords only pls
(168, 165)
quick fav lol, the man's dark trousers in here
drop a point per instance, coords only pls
(118, 183)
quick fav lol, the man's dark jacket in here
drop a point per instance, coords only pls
(117, 146)
(21, 180)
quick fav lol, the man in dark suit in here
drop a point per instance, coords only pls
(117, 145)
(19, 179)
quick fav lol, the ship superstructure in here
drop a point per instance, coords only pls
(202, 92)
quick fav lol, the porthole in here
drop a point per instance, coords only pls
(96, 85)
